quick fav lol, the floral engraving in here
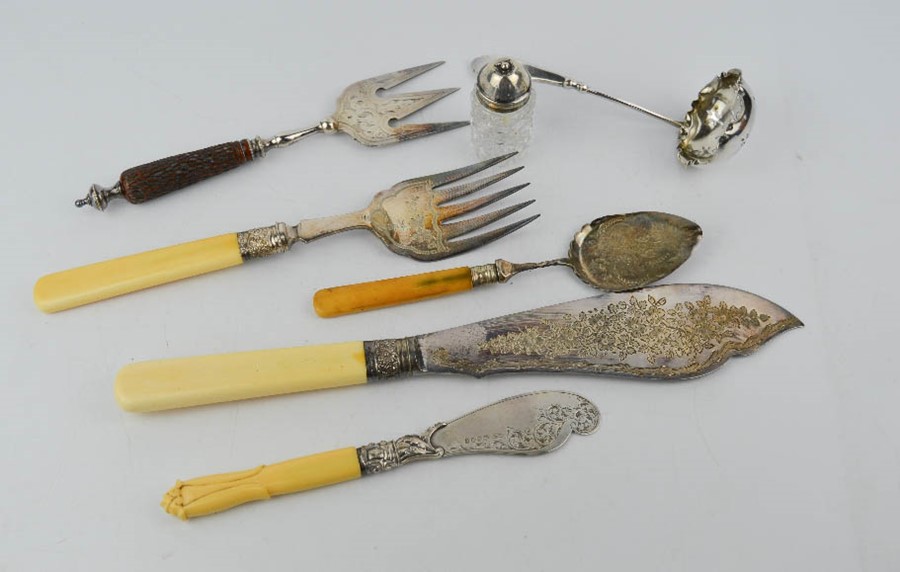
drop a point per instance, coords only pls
(637, 327)
(551, 422)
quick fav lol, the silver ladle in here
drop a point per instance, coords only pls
(716, 126)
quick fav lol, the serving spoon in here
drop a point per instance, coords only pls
(614, 253)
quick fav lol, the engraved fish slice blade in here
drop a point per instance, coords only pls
(664, 332)
(676, 331)
(529, 424)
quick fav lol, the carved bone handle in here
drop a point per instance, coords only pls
(207, 495)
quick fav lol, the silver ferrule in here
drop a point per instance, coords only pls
(266, 240)
(502, 270)
(392, 358)
(484, 274)
(384, 456)
(258, 147)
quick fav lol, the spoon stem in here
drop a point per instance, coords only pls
(506, 269)
(554, 78)
(586, 89)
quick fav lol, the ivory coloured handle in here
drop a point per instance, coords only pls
(215, 493)
(104, 280)
(185, 382)
(364, 296)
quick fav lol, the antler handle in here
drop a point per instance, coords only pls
(155, 179)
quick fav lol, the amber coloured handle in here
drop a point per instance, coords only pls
(364, 296)
(152, 180)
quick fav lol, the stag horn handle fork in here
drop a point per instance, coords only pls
(361, 113)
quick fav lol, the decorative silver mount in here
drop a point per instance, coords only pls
(266, 241)
(387, 455)
(99, 196)
(392, 357)
(502, 270)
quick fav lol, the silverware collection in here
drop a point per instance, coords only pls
(632, 328)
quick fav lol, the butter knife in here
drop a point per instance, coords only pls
(529, 424)
(673, 331)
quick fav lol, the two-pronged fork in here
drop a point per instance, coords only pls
(411, 218)
(360, 113)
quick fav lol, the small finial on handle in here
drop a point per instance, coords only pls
(99, 196)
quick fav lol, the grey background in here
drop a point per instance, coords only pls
(784, 460)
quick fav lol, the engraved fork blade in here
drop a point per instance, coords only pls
(366, 116)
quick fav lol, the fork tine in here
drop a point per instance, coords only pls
(395, 78)
(405, 104)
(454, 229)
(458, 191)
(460, 246)
(455, 210)
(416, 130)
(440, 179)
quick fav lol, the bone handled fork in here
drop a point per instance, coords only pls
(412, 218)
(361, 113)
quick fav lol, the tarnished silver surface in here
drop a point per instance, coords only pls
(410, 217)
(529, 424)
(626, 251)
(665, 332)
(716, 127)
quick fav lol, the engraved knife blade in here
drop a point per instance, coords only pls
(672, 331)
(527, 424)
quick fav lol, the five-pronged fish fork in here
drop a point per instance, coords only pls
(361, 113)
(413, 218)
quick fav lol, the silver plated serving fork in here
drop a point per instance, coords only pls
(415, 218)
